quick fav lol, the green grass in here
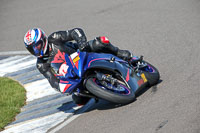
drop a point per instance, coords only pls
(12, 98)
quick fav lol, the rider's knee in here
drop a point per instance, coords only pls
(99, 43)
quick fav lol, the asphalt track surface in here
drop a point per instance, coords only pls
(166, 32)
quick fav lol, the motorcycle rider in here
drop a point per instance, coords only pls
(45, 48)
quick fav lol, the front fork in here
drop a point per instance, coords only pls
(138, 64)
(108, 78)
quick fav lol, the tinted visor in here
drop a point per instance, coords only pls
(37, 47)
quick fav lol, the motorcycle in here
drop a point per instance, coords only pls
(102, 75)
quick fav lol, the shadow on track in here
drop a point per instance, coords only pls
(154, 89)
(105, 105)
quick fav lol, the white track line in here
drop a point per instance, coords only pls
(6, 60)
(17, 64)
(13, 62)
(14, 53)
(38, 89)
(83, 109)
(41, 125)
(14, 68)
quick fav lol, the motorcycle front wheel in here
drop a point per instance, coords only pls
(152, 74)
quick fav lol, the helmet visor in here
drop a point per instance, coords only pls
(37, 47)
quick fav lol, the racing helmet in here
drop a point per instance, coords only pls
(36, 42)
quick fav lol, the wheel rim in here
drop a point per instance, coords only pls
(149, 69)
(119, 89)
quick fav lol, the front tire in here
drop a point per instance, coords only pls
(152, 74)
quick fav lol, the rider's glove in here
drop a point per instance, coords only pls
(83, 46)
(43, 67)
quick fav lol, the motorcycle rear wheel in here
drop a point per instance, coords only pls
(97, 89)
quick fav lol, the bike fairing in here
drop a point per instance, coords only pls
(78, 64)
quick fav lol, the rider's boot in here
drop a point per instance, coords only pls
(79, 100)
(102, 44)
(124, 54)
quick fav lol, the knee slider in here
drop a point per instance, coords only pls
(43, 67)
(103, 40)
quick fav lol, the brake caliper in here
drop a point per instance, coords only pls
(107, 78)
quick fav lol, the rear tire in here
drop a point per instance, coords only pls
(108, 95)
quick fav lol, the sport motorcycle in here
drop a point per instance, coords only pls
(102, 75)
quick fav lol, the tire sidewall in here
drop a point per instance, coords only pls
(108, 95)
(153, 77)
